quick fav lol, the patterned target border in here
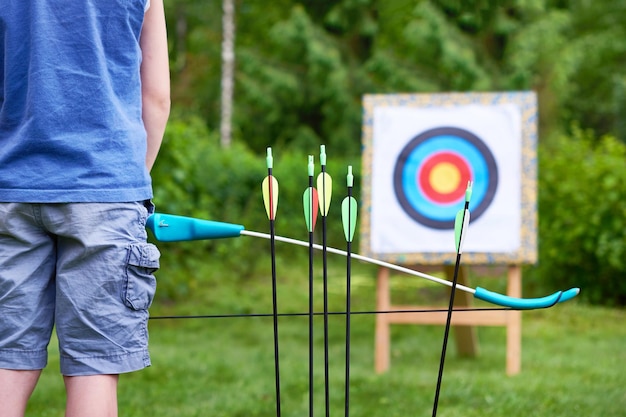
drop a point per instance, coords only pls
(432, 171)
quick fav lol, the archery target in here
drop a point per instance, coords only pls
(421, 162)
(432, 173)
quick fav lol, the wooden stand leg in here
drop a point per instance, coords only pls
(514, 324)
(383, 303)
(464, 323)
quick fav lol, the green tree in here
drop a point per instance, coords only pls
(304, 65)
(582, 220)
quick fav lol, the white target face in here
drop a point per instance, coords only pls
(421, 161)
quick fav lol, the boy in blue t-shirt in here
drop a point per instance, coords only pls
(84, 100)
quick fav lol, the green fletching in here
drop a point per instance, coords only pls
(460, 228)
(310, 203)
(462, 220)
(349, 210)
(458, 225)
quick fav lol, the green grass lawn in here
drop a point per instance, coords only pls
(573, 362)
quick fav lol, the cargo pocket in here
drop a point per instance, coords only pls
(141, 263)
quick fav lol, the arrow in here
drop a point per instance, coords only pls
(310, 202)
(325, 185)
(348, 217)
(182, 234)
(270, 189)
(270, 199)
(460, 227)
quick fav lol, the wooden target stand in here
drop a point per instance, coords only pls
(463, 322)
(389, 121)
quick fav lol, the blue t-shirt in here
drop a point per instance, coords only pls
(71, 128)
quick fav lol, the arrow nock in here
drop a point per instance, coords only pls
(468, 191)
(269, 159)
(323, 155)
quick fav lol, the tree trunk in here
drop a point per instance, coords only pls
(228, 66)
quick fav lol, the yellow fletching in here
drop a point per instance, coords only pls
(325, 190)
(270, 196)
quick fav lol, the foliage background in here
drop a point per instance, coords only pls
(303, 66)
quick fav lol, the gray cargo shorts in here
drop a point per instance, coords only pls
(85, 268)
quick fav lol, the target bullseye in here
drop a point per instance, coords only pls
(432, 172)
(443, 177)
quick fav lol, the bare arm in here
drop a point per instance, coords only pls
(155, 78)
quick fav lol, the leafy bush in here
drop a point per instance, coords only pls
(582, 216)
(195, 177)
